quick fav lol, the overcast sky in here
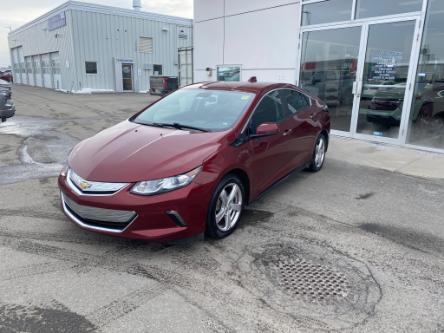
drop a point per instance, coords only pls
(14, 13)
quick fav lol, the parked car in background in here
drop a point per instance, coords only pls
(386, 105)
(7, 107)
(6, 76)
(162, 85)
(191, 162)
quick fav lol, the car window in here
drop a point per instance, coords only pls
(269, 110)
(212, 110)
(296, 101)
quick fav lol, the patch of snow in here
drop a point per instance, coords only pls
(92, 91)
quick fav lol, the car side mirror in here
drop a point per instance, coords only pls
(266, 129)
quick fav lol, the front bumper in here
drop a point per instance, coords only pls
(8, 111)
(177, 214)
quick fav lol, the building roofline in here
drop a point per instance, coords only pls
(89, 7)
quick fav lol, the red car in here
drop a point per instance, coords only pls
(193, 160)
(6, 76)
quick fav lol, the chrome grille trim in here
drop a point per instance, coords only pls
(69, 205)
(95, 189)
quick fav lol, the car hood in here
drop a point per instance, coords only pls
(129, 152)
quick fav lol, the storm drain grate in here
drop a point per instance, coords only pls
(311, 281)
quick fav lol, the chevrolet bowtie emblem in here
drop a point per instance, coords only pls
(84, 185)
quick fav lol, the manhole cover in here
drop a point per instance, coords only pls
(310, 281)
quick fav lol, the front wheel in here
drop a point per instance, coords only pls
(318, 158)
(226, 207)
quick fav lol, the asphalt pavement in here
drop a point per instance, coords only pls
(352, 248)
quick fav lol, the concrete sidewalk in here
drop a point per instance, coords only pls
(388, 157)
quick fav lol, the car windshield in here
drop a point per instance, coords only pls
(198, 109)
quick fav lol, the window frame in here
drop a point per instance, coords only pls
(152, 45)
(159, 73)
(247, 123)
(86, 67)
(354, 15)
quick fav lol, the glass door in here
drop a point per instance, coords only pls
(382, 92)
(329, 62)
(127, 77)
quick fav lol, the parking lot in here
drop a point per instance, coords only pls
(350, 248)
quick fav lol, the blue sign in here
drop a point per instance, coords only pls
(57, 21)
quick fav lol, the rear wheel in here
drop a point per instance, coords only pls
(318, 158)
(226, 207)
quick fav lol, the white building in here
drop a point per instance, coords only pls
(81, 46)
(258, 37)
(378, 64)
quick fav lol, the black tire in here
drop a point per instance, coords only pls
(212, 230)
(314, 165)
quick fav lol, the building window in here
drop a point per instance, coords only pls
(145, 45)
(326, 12)
(91, 67)
(426, 125)
(228, 73)
(369, 8)
(157, 69)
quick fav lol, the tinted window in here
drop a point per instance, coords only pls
(296, 101)
(91, 67)
(269, 110)
(213, 110)
(157, 69)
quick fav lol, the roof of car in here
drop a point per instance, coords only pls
(256, 87)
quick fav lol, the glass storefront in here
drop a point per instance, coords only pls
(426, 123)
(386, 69)
(329, 60)
(365, 67)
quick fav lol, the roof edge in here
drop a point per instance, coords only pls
(110, 10)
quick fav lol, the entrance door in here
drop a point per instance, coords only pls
(127, 77)
(329, 68)
(364, 73)
(382, 96)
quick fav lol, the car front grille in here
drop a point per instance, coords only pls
(98, 218)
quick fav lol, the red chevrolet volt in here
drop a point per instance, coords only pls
(191, 162)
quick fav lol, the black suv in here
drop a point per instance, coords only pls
(7, 107)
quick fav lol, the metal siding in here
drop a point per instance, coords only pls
(93, 36)
(37, 40)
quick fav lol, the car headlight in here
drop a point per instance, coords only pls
(157, 186)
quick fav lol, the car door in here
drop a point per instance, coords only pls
(268, 155)
(301, 117)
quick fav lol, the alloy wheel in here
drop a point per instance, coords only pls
(228, 207)
(320, 152)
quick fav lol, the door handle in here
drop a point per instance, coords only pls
(287, 131)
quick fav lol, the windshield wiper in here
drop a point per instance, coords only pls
(180, 126)
(175, 125)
